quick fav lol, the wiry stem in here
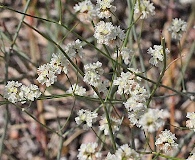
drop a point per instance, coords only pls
(161, 75)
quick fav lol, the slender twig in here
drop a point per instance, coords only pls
(185, 65)
(61, 140)
(29, 114)
(60, 11)
(161, 75)
(181, 70)
(20, 25)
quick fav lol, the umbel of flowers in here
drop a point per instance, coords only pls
(18, 92)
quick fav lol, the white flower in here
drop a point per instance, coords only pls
(17, 92)
(86, 10)
(12, 90)
(134, 116)
(152, 120)
(47, 74)
(59, 63)
(192, 157)
(125, 53)
(111, 156)
(86, 117)
(166, 141)
(157, 54)
(102, 87)
(30, 92)
(104, 8)
(77, 90)
(93, 73)
(191, 122)
(74, 48)
(125, 152)
(137, 99)
(133, 105)
(115, 124)
(107, 34)
(118, 37)
(127, 83)
(186, 1)
(124, 82)
(144, 8)
(103, 32)
(177, 27)
(88, 152)
(49, 71)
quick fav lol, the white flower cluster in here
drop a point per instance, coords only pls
(89, 151)
(115, 123)
(149, 119)
(74, 48)
(104, 9)
(86, 117)
(102, 88)
(107, 34)
(86, 10)
(177, 27)
(186, 1)
(192, 157)
(79, 90)
(138, 114)
(93, 73)
(137, 98)
(191, 122)
(49, 71)
(152, 120)
(17, 92)
(157, 54)
(125, 53)
(166, 141)
(123, 152)
(134, 116)
(128, 84)
(144, 8)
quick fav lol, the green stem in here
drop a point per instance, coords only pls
(161, 75)
(53, 131)
(20, 25)
(60, 11)
(181, 70)
(61, 141)
(107, 118)
(185, 65)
